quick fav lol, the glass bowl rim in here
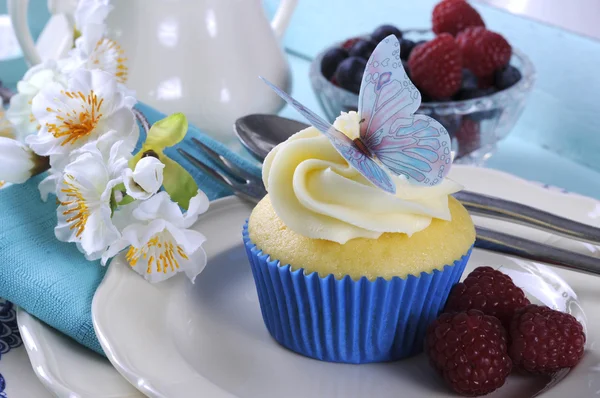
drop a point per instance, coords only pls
(528, 75)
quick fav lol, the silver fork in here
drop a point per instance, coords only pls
(243, 184)
(250, 188)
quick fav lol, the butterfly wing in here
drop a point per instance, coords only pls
(418, 147)
(386, 92)
(344, 145)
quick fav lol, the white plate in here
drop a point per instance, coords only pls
(66, 368)
(15, 369)
(182, 340)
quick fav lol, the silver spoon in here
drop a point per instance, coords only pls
(261, 133)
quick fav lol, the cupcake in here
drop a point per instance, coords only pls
(345, 271)
(356, 246)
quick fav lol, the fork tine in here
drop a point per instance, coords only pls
(225, 163)
(237, 188)
(208, 170)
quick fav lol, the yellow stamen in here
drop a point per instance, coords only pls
(162, 255)
(72, 125)
(113, 51)
(77, 206)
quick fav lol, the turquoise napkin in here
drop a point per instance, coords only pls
(50, 279)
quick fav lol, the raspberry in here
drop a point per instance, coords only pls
(453, 16)
(489, 291)
(545, 340)
(436, 66)
(483, 51)
(469, 350)
(469, 139)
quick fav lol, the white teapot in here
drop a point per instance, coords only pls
(199, 57)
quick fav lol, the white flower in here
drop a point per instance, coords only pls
(91, 12)
(6, 128)
(17, 162)
(160, 239)
(36, 78)
(90, 107)
(48, 185)
(104, 144)
(84, 195)
(145, 180)
(94, 51)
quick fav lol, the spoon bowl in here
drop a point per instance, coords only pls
(259, 133)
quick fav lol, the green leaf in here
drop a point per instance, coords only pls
(178, 183)
(166, 132)
(126, 200)
(113, 203)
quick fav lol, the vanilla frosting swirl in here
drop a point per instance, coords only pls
(317, 194)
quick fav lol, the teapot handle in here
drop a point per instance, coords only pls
(55, 39)
(18, 15)
(282, 17)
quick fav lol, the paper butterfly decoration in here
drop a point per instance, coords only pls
(391, 135)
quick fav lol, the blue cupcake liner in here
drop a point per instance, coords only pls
(343, 320)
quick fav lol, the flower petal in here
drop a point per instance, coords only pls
(148, 174)
(159, 206)
(91, 12)
(99, 232)
(198, 205)
(188, 239)
(132, 188)
(114, 249)
(48, 185)
(195, 265)
(17, 161)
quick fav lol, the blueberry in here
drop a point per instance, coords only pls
(425, 97)
(504, 78)
(406, 46)
(486, 115)
(384, 31)
(477, 93)
(467, 94)
(469, 81)
(349, 73)
(362, 48)
(331, 60)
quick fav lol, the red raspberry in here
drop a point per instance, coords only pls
(468, 136)
(544, 340)
(347, 45)
(436, 66)
(489, 291)
(453, 16)
(469, 350)
(483, 51)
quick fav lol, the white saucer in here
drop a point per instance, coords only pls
(67, 369)
(182, 340)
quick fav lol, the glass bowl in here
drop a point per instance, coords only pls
(475, 125)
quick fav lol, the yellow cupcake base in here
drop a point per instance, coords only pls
(393, 254)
